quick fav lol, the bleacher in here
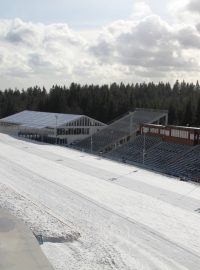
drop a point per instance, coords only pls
(174, 159)
(119, 141)
(188, 165)
(163, 154)
(119, 130)
(133, 150)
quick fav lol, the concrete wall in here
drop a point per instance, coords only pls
(19, 249)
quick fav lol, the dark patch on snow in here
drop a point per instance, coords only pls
(112, 179)
(54, 239)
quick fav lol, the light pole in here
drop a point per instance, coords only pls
(144, 150)
(131, 124)
(56, 127)
(91, 140)
(91, 144)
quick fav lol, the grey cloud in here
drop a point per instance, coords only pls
(17, 72)
(198, 27)
(40, 64)
(37, 60)
(39, 35)
(150, 43)
(151, 31)
(194, 6)
(1, 58)
(189, 37)
(102, 49)
(14, 37)
(20, 32)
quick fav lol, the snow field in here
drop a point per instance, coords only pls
(127, 218)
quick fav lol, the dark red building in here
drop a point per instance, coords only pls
(174, 134)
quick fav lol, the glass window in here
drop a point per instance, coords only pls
(162, 131)
(145, 129)
(192, 137)
(166, 132)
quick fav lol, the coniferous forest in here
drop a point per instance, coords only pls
(107, 102)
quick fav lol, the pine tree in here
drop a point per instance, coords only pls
(197, 114)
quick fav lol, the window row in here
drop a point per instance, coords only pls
(179, 133)
(84, 122)
(73, 131)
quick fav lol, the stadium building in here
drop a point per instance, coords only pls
(142, 138)
(173, 134)
(50, 127)
(122, 130)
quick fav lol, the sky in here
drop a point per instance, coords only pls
(50, 42)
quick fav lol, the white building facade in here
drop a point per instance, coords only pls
(51, 127)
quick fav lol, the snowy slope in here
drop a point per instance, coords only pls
(127, 218)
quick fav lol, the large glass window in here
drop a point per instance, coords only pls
(192, 137)
(162, 131)
(184, 134)
(175, 133)
(154, 130)
(166, 132)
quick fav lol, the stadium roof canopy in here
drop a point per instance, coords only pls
(33, 119)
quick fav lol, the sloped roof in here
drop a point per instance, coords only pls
(33, 119)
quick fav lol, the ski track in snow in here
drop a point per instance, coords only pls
(127, 218)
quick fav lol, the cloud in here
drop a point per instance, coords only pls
(185, 11)
(138, 49)
(189, 37)
(35, 51)
(18, 32)
(194, 6)
(151, 45)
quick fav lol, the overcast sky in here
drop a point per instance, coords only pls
(98, 41)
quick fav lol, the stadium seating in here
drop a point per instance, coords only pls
(133, 151)
(170, 158)
(188, 165)
(163, 154)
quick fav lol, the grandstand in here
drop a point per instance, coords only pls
(121, 131)
(162, 154)
(187, 166)
(133, 150)
(168, 149)
(153, 153)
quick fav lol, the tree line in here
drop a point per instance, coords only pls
(107, 102)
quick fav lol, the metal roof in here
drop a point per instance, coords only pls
(33, 119)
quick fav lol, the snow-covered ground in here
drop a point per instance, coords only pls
(111, 215)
